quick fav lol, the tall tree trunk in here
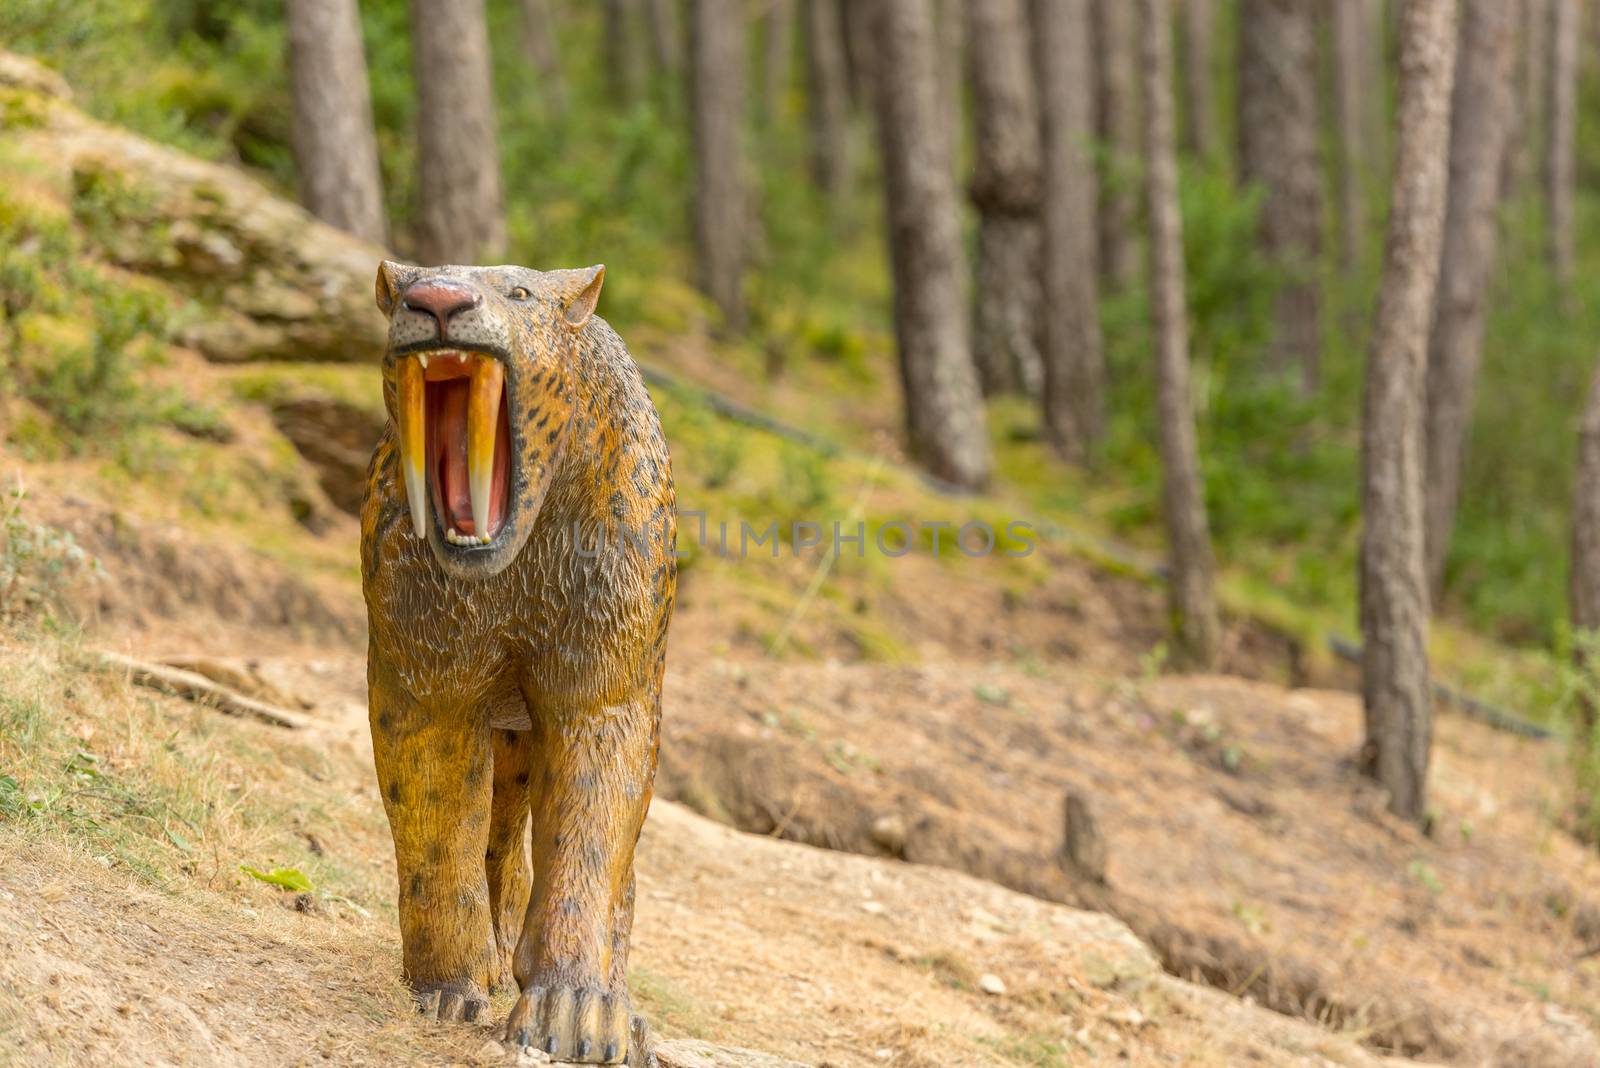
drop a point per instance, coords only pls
(827, 100)
(1526, 137)
(622, 52)
(777, 41)
(716, 43)
(539, 46)
(1560, 159)
(1584, 586)
(1394, 592)
(1190, 591)
(949, 26)
(1199, 84)
(1005, 190)
(458, 157)
(1073, 357)
(1117, 126)
(335, 148)
(1278, 149)
(1480, 114)
(666, 40)
(944, 409)
(855, 17)
(1355, 32)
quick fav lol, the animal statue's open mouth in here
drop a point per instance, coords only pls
(455, 443)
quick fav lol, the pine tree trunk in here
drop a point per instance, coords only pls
(1480, 115)
(855, 17)
(1278, 150)
(1560, 159)
(1394, 593)
(716, 43)
(539, 46)
(1117, 127)
(622, 51)
(777, 39)
(334, 144)
(1584, 587)
(1190, 590)
(1199, 85)
(949, 27)
(666, 41)
(458, 157)
(1005, 190)
(1352, 35)
(1533, 76)
(1073, 358)
(944, 409)
(827, 100)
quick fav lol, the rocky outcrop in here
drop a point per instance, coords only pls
(263, 278)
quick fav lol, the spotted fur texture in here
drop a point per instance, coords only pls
(516, 688)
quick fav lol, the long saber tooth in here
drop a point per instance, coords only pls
(413, 448)
(483, 419)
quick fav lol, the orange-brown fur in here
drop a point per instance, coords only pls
(526, 693)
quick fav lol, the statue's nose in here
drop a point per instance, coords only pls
(440, 299)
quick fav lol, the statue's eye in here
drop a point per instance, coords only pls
(520, 293)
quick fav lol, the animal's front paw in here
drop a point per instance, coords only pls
(450, 1002)
(582, 1024)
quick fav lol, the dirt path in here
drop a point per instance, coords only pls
(822, 957)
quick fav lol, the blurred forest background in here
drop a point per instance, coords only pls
(910, 204)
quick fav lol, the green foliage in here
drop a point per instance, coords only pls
(76, 338)
(283, 878)
(36, 561)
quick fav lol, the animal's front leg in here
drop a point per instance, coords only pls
(572, 960)
(435, 775)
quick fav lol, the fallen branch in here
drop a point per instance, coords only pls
(201, 690)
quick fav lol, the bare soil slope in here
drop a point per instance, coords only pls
(1243, 845)
(137, 940)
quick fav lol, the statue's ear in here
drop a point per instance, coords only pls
(578, 292)
(391, 279)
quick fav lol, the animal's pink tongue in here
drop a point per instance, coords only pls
(453, 454)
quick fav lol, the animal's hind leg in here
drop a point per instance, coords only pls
(506, 860)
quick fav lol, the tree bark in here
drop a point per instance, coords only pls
(1117, 127)
(1584, 580)
(949, 25)
(1073, 357)
(1560, 159)
(944, 409)
(1190, 593)
(827, 100)
(335, 148)
(855, 16)
(622, 50)
(666, 39)
(1480, 115)
(1005, 190)
(1199, 85)
(777, 41)
(539, 46)
(458, 157)
(1278, 150)
(1523, 151)
(1355, 31)
(717, 42)
(1394, 593)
